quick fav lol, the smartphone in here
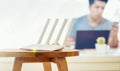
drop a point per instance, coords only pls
(115, 24)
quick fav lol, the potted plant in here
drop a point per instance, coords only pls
(101, 46)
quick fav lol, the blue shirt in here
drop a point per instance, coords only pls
(82, 23)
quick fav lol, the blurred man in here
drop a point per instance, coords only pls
(95, 21)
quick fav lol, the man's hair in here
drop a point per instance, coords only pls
(92, 1)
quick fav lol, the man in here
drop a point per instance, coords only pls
(95, 21)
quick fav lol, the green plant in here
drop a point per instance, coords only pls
(100, 40)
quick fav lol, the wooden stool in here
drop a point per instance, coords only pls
(22, 56)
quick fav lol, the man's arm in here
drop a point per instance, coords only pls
(113, 39)
(69, 42)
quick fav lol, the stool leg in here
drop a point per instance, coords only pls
(17, 64)
(47, 66)
(61, 64)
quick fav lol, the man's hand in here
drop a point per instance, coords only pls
(113, 40)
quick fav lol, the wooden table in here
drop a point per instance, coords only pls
(23, 56)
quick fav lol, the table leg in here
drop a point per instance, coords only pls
(47, 66)
(61, 64)
(17, 64)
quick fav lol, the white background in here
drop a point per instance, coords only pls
(21, 21)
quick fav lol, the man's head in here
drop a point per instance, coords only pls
(96, 8)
